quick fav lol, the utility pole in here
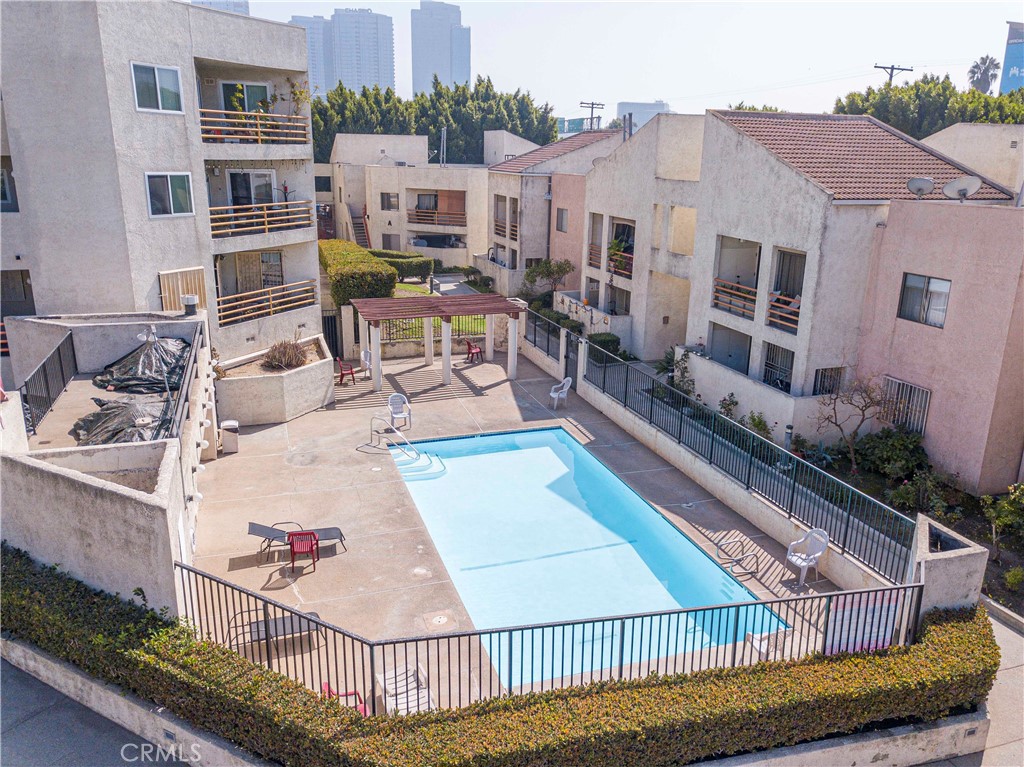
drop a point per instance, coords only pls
(893, 69)
(592, 106)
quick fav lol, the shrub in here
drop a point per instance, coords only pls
(472, 272)
(487, 282)
(728, 404)
(285, 355)
(406, 264)
(546, 299)
(922, 492)
(896, 453)
(758, 424)
(553, 316)
(1014, 578)
(652, 721)
(354, 273)
(609, 342)
(573, 326)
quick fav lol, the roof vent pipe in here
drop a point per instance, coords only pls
(190, 302)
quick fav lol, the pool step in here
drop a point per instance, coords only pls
(427, 466)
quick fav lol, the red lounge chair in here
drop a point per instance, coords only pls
(361, 706)
(304, 542)
(472, 350)
(345, 369)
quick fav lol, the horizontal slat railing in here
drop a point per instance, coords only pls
(459, 668)
(734, 298)
(783, 314)
(513, 230)
(436, 217)
(877, 536)
(218, 126)
(620, 263)
(232, 220)
(5, 349)
(500, 228)
(594, 256)
(263, 303)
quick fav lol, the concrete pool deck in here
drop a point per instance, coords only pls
(319, 471)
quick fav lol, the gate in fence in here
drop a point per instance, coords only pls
(572, 356)
(329, 323)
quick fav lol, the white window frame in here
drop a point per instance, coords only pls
(925, 305)
(905, 405)
(220, 90)
(559, 219)
(191, 194)
(135, 90)
(250, 171)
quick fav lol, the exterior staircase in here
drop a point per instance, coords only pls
(359, 227)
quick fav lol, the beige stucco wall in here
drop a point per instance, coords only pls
(974, 364)
(569, 191)
(498, 144)
(366, 148)
(985, 147)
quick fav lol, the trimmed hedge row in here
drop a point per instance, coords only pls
(653, 721)
(407, 264)
(354, 272)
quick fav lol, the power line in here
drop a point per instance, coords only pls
(592, 106)
(893, 69)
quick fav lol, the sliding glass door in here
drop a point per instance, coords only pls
(251, 187)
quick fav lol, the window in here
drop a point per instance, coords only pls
(5, 187)
(827, 380)
(389, 200)
(391, 242)
(778, 367)
(8, 192)
(426, 201)
(157, 88)
(170, 194)
(251, 187)
(905, 405)
(322, 183)
(562, 220)
(245, 97)
(924, 299)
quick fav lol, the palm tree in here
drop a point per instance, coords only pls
(983, 73)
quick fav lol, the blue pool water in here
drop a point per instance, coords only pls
(533, 529)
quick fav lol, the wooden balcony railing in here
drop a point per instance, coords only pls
(594, 256)
(217, 126)
(513, 231)
(263, 303)
(735, 298)
(500, 228)
(5, 350)
(620, 263)
(231, 220)
(435, 217)
(783, 312)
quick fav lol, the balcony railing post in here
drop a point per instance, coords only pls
(846, 527)
(622, 646)
(714, 437)
(750, 459)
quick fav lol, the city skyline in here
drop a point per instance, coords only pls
(797, 56)
(353, 46)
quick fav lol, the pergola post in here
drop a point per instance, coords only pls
(513, 346)
(364, 334)
(378, 377)
(428, 340)
(489, 337)
(446, 350)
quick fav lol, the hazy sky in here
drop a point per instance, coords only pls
(796, 55)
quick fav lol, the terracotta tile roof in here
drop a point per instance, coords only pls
(553, 150)
(855, 157)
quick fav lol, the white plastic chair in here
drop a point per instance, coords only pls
(806, 552)
(405, 690)
(560, 391)
(774, 645)
(399, 409)
(366, 357)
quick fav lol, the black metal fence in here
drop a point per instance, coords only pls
(455, 669)
(543, 333)
(48, 381)
(412, 329)
(869, 531)
(329, 327)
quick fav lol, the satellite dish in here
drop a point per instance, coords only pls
(921, 186)
(962, 188)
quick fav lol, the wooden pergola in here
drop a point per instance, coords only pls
(372, 311)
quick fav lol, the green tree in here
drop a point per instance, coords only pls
(1005, 514)
(930, 104)
(551, 273)
(615, 124)
(744, 107)
(983, 73)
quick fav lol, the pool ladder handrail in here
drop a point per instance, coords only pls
(385, 436)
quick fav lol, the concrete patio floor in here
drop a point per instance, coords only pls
(319, 471)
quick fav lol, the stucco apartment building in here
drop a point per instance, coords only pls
(768, 242)
(175, 158)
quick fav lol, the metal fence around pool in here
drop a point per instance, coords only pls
(47, 382)
(412, 329)
(455, 669)
(872, 533)
(543, 333)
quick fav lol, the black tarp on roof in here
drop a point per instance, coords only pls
(132, 419)
(155, 367)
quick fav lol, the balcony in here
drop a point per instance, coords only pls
(594, 256)
(435, 217)
(620, 264)
(266, 302)
(783, 312)
(734, 298)
(504, 229)
(234, 220)
(220, 127)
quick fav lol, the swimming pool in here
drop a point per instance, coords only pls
(534, 529)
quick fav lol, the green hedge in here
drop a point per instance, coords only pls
(653, 721)
(354, 273)
(607, 341)
(407, 264)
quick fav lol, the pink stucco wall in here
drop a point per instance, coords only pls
(974, 364)
(568, 191)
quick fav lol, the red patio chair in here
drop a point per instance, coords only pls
(304, 542)
(472, 350)
(345, 369)
(361, 706)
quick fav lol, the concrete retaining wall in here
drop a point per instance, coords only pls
(276, 397)
(13, 437)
